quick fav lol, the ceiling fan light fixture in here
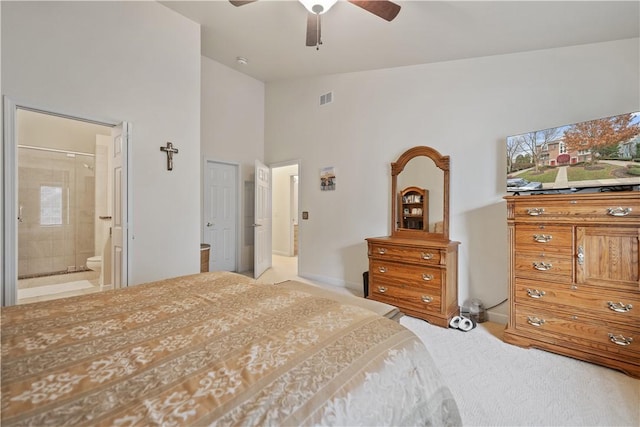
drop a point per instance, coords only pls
(318, 7)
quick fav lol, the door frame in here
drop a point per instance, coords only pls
(206, 161)
(9, 234)
(294, 162)
(294, 190)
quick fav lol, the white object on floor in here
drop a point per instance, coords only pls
(53, 289)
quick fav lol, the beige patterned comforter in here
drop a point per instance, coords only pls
(214, 349)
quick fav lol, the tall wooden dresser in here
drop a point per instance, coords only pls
(574, 284)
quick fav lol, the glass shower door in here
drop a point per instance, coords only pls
(56, 211)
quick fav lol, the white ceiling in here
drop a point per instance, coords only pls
(271, 34)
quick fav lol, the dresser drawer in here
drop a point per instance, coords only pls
(427, 256)
(428, 298)
(404, 275)
(572, 209)
(621, 307)
(563, 328)
(541, 237)
(544, 266)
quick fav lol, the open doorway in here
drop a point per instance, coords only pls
(63, 219)
(284, 205)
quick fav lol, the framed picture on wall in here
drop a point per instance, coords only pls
(327, 179)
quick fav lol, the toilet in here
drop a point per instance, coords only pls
(95, 263)
(102, 264)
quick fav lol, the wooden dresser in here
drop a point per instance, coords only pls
(574, 284)
(418, 277)
(416, 268)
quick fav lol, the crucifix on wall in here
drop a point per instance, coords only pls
(170, 150)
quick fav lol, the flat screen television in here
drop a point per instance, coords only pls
(591, 156)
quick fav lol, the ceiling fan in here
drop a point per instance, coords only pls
(384, 9)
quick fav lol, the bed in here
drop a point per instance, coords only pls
(214, 349)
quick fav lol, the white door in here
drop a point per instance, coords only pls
(221, 215)
(119, 220)
(262, 220)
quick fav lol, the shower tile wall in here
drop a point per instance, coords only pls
(65, 246)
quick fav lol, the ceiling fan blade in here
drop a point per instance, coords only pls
(241, 2)
(382, 8)
(313, 30)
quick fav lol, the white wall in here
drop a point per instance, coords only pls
(115, 61)
(2, 258)
(232, 130)
(464, 109)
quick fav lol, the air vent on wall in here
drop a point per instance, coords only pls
(327, 98)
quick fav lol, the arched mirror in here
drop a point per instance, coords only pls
(420, 194)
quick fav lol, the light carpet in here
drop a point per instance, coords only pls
(53, 289)
(498, 384)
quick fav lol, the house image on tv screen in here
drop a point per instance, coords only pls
(596, 153)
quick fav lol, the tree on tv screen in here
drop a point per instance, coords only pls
(602, 135)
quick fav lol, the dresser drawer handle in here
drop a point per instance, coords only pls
(542, 238)
(580, 255)
(382, 269)
(382, 289)
(619, 307)
(535, 211)
(535, 321)
(534, 293)
(620, 339)
(426, 255)
(426, 298)
(382, 251)
(619, 211)
(427, 277)
(542, 266)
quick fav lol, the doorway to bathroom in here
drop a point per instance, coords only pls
(64, 212)
(284, 205)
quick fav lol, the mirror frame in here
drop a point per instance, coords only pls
(442, 162)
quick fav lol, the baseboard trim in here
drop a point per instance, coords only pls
(497, 317)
